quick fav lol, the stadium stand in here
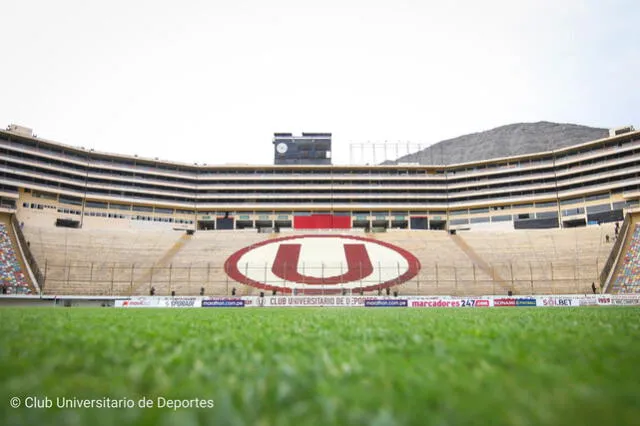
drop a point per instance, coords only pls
(628, 277)
(97, 261)
(551, 261)
(132, 261)
(12, 276)
(99, 223)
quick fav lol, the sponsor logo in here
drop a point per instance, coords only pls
(475, 303)
(385, 303)
(588, 301)
(627, 301)
(557, 301)
(187, 302)
(223, 303)
(604, 300)
(132, 303)
(450, 303)
(322, 264)
(504, 302)
(529, 301)
(438, 303)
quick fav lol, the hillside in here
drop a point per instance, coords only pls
(504, 141)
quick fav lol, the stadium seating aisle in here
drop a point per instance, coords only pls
(12, 278)
(628, 279)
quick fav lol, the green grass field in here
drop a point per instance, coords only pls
(308, 366)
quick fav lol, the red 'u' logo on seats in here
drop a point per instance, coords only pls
(287, 261)
(322, 263)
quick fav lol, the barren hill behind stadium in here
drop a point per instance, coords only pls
(504, 141)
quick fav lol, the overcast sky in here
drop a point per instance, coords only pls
(211, 81)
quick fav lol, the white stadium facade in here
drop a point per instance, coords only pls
(101, 223)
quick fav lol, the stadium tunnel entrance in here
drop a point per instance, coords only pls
(206, 225)
(438, 225)
(574, 223)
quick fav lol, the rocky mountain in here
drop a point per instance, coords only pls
(504, 141)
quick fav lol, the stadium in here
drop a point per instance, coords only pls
(554, 228)
(98, 224)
